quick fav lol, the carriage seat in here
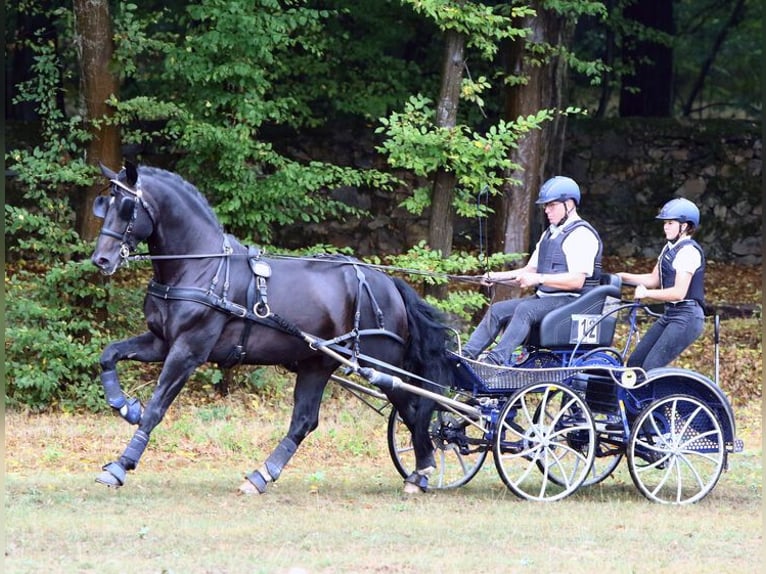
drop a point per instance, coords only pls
(567, 325)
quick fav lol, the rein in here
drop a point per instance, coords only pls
(463, 278)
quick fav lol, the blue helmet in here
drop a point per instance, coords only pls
(559, 188)
(682, 210)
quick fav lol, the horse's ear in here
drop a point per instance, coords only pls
(132, 172)
(108, 173)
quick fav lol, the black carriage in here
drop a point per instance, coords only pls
(569, 411)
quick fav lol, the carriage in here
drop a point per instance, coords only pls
(561, 418)
(569, 411)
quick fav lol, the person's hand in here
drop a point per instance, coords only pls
(641, 291)
(529, 279)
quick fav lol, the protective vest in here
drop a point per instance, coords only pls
(668, 274)
(551, 258)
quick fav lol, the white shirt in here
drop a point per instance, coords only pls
(687, 259)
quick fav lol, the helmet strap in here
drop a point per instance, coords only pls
(680, 232)
(567, 211)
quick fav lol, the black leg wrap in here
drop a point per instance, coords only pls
(112, 389)
(136, 446)
(273, 466)
(258, 481)
(129, 409)
(419, 480)
(132, 411)
(280, 457)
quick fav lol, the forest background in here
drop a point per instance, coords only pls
(466, 104)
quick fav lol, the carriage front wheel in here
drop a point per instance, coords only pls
(545, 442)
(676, 452)
(459, 448)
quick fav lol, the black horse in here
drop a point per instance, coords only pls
(214, 300)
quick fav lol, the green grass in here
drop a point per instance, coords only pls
(338, 506)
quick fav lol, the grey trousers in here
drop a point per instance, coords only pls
(515, 317)
(666, 339)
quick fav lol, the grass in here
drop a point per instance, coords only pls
(338, 506)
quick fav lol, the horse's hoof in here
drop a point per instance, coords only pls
(410, 488)
(248, 488)
(113, 475)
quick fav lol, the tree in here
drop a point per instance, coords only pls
(542, 89)
(730, 24)
(459, 161)
(647, 90)
(442, 214)
(93, 38)
(537, 66)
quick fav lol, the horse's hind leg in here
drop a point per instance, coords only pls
(146, 348)
(309, 386)
(416, 414)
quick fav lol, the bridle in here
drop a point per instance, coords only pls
(127, 210)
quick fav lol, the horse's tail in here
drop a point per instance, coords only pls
(426, 351)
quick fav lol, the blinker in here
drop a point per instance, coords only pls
(124, 211)
(127, 205)
(100, 205)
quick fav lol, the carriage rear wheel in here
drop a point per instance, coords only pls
(545, 442)
(676, 452)
(459, 448)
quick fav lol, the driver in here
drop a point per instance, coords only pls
(566, 262)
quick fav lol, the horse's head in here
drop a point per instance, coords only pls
(127, 219)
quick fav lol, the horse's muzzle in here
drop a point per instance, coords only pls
(104, 265)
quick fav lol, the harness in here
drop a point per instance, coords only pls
(257, 310)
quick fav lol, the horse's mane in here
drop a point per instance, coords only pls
(174, 183)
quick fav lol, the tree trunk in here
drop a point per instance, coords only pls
(735, 17)
(440, 223)
(93, 29)
(539, 152)
(648, 91)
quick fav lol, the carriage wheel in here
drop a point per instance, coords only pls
(676, 452)
(460, 448)
(545, 442)
(607, 459)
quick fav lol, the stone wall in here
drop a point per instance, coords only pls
(627, 170)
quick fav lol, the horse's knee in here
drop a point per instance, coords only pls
(129, 409)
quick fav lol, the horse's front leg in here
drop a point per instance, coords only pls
(147, 348)
(180, 363)
(309, 385)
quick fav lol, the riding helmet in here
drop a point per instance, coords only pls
(559, 188)
(682, 210)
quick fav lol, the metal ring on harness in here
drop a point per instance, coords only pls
(261, 310)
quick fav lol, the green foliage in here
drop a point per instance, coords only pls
(414, 142)
(224, 79)
(422, 265)
(50, 345)
(484, 26)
